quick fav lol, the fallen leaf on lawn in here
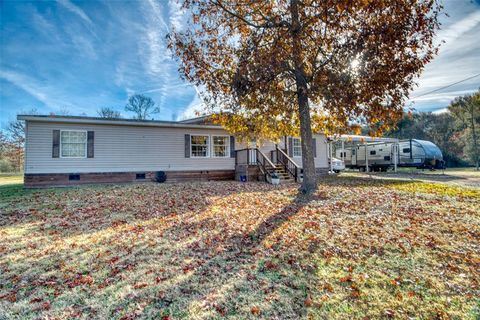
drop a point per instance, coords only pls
(255, 310)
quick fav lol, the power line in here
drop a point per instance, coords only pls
(447, 86)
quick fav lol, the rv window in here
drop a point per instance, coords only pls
(353, 152)
(140, 176)
(373, 152)
(386, 158)
(406, 150)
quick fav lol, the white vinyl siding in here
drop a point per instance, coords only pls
(199, 146)
(125, 148)
(73, 144)
(220, 146)
(321, 160)
(120, 148)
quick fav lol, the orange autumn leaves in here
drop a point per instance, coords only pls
(227, 249)
(359, 60)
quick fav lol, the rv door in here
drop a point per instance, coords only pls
(354, 156)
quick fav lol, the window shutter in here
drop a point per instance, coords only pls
(56, 144)
(187, 146)
(90, 139)
(232, 147)
(290, 146)
(314, 141)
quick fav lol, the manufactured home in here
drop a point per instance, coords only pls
(67, 150)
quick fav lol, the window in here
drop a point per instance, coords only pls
(73, 144)
(406, 150)
(140, 176)
(373, 152)
(297, 147)
(353, 152)
(199, 146)
(221, 146)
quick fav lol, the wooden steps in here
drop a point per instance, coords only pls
(281, 172)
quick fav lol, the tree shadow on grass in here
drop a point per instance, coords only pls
(237, 273)
(119, 264)
(84, 210)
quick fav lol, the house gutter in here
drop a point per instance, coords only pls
(120, 122)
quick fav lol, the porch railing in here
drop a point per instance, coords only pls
(283, 159)
(253, 156)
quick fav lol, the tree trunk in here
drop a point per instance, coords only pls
(309, 184)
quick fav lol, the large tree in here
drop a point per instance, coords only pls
(13, 140)
(108, 113)
(466, 109)
(274, 68)
(142, 106)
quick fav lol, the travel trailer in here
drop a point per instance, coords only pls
(380, 156)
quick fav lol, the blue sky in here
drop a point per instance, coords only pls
(83, 55)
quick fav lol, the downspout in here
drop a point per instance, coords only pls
(331, 156)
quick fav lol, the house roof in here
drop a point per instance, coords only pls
(198, 120)
(115, 121)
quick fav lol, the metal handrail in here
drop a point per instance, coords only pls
(261, 159)
(265, 157)
(289, 164)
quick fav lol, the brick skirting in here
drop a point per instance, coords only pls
(321, 171)
(64, 179)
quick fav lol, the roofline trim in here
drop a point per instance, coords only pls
(104, 121)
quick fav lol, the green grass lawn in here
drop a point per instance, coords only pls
(359, 248)
(10, 178)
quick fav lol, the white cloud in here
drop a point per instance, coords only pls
(177, 14)
(42, 92)
(156, 10)
(440, 111)
(84, 45)
(76, 10)
(456, 30)
(458, 58)
(195, 107)
(444, 97)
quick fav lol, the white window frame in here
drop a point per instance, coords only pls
(293, 147)
(208, 145)
(213, 145)
(61, 144)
